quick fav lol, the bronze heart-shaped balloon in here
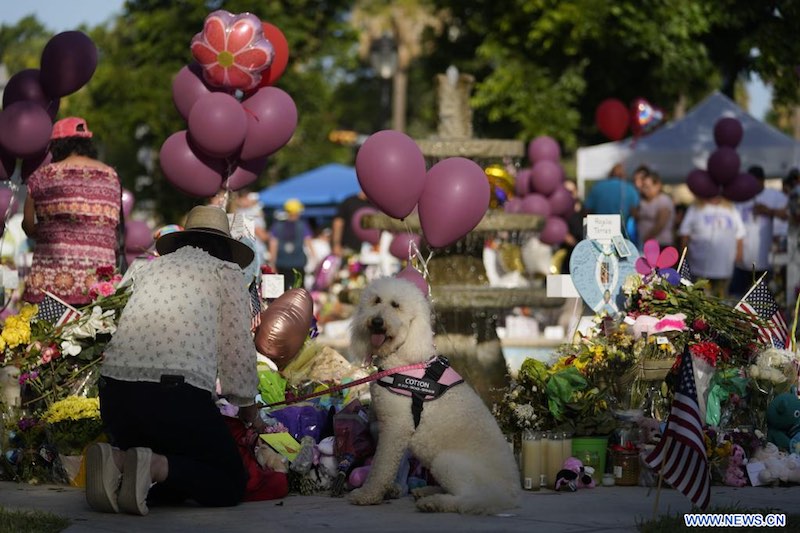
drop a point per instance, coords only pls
(284, 326)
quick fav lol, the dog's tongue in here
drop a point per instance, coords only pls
(377, 339)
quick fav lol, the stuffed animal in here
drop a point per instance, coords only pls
(734, 474)
(574, 476)
(783, 420)
(778, 466)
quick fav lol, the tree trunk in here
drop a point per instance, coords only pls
(399, 100)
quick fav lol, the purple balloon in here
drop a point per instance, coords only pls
(68, 63)
(391, 170)
(34, 163)
(554, 231)
(399, 246)
(187, 87)
(728, 132)
(745, 187)
(723, 165)
(372, 236)
(562, 203)
(543, 148)
(24, 85)
(7, 203)
(454, 200)
(536, 204)
(546, 176)
(25, 129)
(271, 121)
(522, 183)
(7, 164)
(701, 184)
(189, 170)
(138, 236)
(218, 124)
(245, 173)
(413, 275)
(513, 205)
(127, 202)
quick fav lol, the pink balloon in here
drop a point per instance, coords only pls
(25, 129)
(413, 275)
(536, 204)
(372, 236)
(743, 188)
(7, 164)
(25, 85)
(723, 165)
(391, 170)
(728, 132)
(554, 231)
(543, 148)
(271, 121)
(188, 86)
(522, 183)
(127, 202)
(454, 200)
(217, 124)
(562, 203)
(326, 272)
(138, 236)
(546, 176)
(513, 205)
(701, 184)
(189, 170)
(34, 163)
(68, 63)
(245, 173)
(400, 244)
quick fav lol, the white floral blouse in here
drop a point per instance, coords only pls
(189, 314)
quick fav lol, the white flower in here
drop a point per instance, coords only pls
(631, 284)
(70, 348)
(87, 327)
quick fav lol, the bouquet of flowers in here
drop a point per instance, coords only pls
(73, 423)
(27, 455)
(524, 403)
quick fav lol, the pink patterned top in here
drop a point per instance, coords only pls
(77, 211)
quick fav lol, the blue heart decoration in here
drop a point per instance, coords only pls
(598, 274)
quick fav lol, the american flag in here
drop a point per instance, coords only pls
(759, 302)
(55, 311)
(255, 306)
(681, 454)
(684, 270)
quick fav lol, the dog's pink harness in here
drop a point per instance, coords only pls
(423, 384)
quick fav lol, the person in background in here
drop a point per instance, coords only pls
(614, 196)
(761, 217)
(638, 176)
(289, 242)
(656, 212)
(574, 226)
(344, 241)
(73, 212)
(714, 233)
(248, 204)
(185, 328)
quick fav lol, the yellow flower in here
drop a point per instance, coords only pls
(28, 311)
(597, 350)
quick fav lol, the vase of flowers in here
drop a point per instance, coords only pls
(71, 425)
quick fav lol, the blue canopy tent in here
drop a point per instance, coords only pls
(321, 190)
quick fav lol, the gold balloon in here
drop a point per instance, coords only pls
(499, 178)
(284, 326)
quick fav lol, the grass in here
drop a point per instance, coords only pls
(674, 522)
(12, 521)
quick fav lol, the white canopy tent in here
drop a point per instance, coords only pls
(680, 146)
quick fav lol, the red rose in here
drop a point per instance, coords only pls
(658, 294)
(698, 324)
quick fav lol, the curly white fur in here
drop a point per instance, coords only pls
(457, 439)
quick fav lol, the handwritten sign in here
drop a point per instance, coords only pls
(602, 226)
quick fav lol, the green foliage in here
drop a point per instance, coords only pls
(31, 521)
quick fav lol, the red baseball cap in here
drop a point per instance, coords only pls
(70, 127)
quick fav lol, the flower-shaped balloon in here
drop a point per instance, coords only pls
(232, 50)
(661, 261)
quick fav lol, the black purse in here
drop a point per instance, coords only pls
(121, 258)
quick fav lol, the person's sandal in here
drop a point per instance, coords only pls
(136, 481)
(102, 478)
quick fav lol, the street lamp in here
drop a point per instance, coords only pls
(383, 58)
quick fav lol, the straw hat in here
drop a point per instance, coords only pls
(211, 222)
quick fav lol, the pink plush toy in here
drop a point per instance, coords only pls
(734, 475)
(574, 476)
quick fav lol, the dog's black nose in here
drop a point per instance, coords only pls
(376, 323)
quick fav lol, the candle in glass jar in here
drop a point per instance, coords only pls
(554, 459)
(531, 460)
(566, 447)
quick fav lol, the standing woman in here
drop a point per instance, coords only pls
(72, 212)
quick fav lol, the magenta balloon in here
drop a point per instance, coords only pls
(454, 200)
(723, 165)
(127, 202)
(745, 187)
(546, 176)
(6, 201)
(399, 246)
(138, 236)
(187, 87)
(513, 205)
(372, 236)
(68, 63)
(217, 124)
(391, 170)
(522, 182)
(25, 129)
(536, 204)
(562, 203)
(245, 173)
(24, 85)
(189, 170)
(728, 132)
(543, 148)
(554, 231)
(7, 164)
(701, 184)
(271, 121)
(413, 275)
(34, 163)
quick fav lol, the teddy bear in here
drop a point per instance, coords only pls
(783, 420)
(734, 474)
(574, 476)
(778, 465)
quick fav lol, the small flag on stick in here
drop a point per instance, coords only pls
(54, 310)
(255, 306)
(759, 302)
(683, 269)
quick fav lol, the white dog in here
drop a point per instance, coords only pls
(456, 438)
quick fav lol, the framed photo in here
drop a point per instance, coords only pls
(621, 246)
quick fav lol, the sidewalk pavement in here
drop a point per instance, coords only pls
(599, 509)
